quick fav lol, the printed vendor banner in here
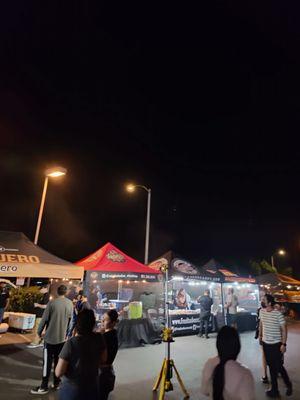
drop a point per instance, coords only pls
(185, 324)
(40, 270)
(98, 275)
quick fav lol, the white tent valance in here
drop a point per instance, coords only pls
(19, 257)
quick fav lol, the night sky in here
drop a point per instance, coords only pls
(202, 104)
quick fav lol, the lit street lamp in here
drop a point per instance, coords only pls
(49, 173)
(131, 188)
(280, 252)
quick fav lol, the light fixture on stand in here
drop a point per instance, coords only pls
(163, 380)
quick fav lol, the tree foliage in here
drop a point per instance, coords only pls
(263, 267)
(23, 299)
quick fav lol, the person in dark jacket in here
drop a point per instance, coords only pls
(205, 312)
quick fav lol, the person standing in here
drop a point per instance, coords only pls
(4, 300)
(223, 377)
(231, 306)
(39, 309)
(80, 305)
(56, 319)
(264, 378)
(273, 337)
(107, 374)
(93, 298)
(80, 359)
(206, 303)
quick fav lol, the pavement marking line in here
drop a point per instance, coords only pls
(13, 362)
(24, 382)
(25, 338)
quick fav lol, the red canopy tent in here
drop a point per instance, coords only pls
(109, 262)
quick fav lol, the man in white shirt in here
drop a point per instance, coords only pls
(231, 306)
(273, 337)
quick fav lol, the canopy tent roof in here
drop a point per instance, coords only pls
(211, 271)
(283, 287)
(277, 280)
(181, 267)
(113, 263)
(19, 257)
(214, 267)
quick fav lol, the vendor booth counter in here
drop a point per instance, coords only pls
(185, 320)
(247, 292)
(187, 283)
(285, 289)
(113, 280)
(140, 308)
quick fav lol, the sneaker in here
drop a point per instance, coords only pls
(33, 345)
(39, 390)
(207, 337)
(265, 379)
(289, 390)
(55, 387)
(271, 393)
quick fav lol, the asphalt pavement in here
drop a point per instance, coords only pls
(136, 369)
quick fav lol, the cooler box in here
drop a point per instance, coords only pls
(21, 321)
(135, 310)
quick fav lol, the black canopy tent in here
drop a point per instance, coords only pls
(218, 279)
(185, 277)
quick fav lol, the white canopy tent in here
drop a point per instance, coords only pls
(19, 257)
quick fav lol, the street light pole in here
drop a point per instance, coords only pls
(147, 227)
(131, 188)
(49, 173)
(38, 225)
(280, 252)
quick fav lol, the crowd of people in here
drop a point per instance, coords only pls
(224, 378)
(81, 356)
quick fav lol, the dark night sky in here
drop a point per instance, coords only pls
(201, 104)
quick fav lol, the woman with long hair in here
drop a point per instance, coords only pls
(107, 374)
(80, 359)
(223, 377)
